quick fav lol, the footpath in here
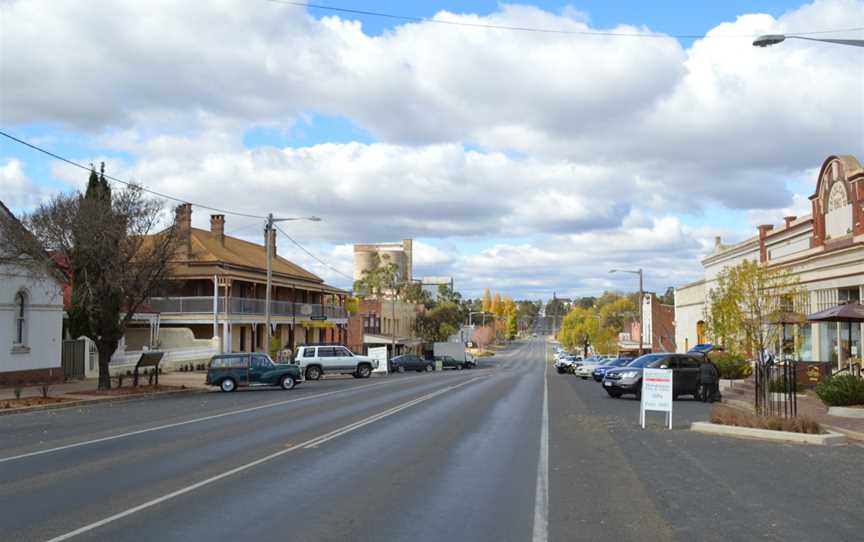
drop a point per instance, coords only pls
(83, 392)
(742, 392)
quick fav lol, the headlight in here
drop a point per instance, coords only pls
(629, 374)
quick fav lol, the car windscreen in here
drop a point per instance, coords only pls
(620, 362)
(646, 360)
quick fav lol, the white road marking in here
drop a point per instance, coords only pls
(188, 422)
(307, 444)
(541, 497)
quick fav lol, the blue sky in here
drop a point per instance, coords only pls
(320, 118)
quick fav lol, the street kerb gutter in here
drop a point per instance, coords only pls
(98, 401)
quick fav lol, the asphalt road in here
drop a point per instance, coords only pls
(446, 456)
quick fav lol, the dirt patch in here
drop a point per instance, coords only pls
(30, 401)
(140, 390)
(726, 415)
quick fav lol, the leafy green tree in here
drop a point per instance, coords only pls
(747, 303)
(439, 323)
(512, 326)
(117, 258)
(380, 279)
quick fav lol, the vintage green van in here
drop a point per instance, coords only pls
(241, 369)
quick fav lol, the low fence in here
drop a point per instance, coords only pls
(776, 388)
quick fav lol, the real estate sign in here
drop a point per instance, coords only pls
(656, 393)
(379, 353)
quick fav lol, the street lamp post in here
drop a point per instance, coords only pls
(641, 295)
(269, 233)
(773, 39)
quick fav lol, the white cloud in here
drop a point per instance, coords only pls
(586, 140)
(17, 190)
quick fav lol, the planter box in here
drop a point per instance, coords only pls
(828, 439)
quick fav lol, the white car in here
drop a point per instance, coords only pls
(315, 361)
(587, 367)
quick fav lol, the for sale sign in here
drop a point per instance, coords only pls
(656, 393)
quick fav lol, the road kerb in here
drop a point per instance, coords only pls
(98, 401)
(829, 439)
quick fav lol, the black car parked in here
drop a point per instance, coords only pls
(411, 362)
(628, 379)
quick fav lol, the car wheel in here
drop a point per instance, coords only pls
(287, 382)
(429, 368)
(313, 373)
(400, 369)
(364, 371)
(614, 394)
(228, 385)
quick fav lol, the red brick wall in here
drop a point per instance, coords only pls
(32, 377)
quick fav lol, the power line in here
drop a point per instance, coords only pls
(127, 183)
(168, 196)
(313, 256)
(490, 26)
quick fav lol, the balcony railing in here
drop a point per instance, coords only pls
(245, 305)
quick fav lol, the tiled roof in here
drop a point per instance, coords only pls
(206, 247)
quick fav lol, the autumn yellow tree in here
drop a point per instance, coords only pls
(497, 307)
(487, 301)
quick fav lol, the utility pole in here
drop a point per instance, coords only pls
(270, 241)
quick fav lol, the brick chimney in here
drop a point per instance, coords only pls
(183, 218)
(789, 220)
(217, 227)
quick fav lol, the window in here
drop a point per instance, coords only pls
(20, 319)
(309, 353)
(343, 352)
(327, 352)
(260, 362)
(230, 362)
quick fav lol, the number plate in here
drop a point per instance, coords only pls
(607, 384)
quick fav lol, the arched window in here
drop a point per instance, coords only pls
(20, 318)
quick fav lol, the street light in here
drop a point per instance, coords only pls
(773, 39)
(641, 294)
(269, 232)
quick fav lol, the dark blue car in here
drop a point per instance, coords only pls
(600, 370)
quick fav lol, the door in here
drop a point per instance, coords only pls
(238, 367)
(687, 374)
(346, 358)
(328, 358)
(260, 370)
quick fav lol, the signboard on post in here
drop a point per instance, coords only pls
(380, 354)
(656, 394)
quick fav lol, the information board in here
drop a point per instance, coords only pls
(656, 394)
(379, 353)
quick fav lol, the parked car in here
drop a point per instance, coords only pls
(411, 362)
(333, 359)
(600, 370)
(232, 371)
(628, 379)
(584, 370)
(449, 362)
(567, 362)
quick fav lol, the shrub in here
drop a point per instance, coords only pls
(17, 391)
(732, 366)
(841, 390)
(726, 415)
(778, 385)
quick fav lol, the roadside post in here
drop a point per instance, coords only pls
(656, 394)
(380, 353)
